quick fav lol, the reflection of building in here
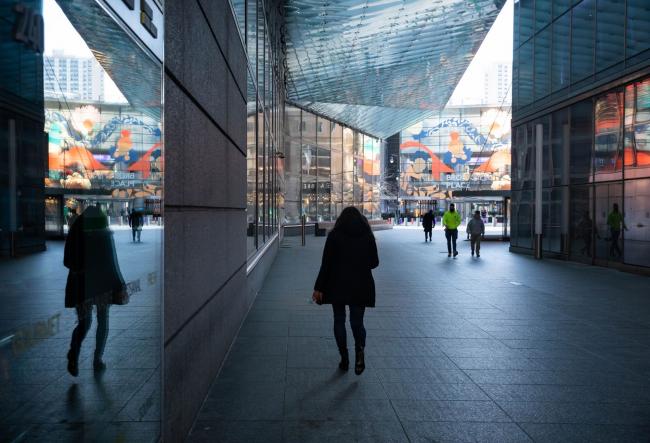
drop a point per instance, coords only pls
(497, 79)
(333, 166)
(463, 148)
(596, 142)
(74, 78)
(22, 227)
(102, 153)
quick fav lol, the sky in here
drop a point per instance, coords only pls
(497, 47)
(62, 36)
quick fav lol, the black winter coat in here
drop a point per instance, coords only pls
(428, 221)
(95, 275)
(345, 275)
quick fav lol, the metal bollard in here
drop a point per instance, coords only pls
(303, 220)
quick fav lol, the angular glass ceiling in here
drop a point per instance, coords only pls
(381, 65)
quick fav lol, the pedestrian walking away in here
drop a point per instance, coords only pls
(476, 230)
(345, 279)
(136, 220)
(428, 223)
(615, 221)
(94, 280)
(586, 231)
(451, 222)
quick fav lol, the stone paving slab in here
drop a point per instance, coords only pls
(503, 348)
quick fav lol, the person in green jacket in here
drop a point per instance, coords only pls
(451, 221)
(615, 222)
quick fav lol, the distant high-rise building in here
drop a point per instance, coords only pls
(497, 79)
(75, 78)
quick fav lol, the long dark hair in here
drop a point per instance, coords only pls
(351, 221)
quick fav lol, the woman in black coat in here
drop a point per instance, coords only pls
(345, 278)
(94, 280)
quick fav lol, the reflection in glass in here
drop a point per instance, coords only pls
(293, 166)
(525, 82)
(582, 40)
(91, 169)
(608, 138)
(610, 35)
(609, 199)
(526, 19)
(560, 55)
(637, 130)
(637, 219)
(637, 29)
(583, 228)
(581, 141)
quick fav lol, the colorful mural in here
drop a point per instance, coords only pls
(464, 148)
(109, 149)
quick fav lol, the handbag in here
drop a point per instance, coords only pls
(121, 296)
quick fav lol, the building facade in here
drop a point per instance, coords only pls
(75, 78)
(582, 76)
(463, 148)
(497, 82)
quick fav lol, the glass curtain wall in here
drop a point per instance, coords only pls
(328, 167)
(81, 180)
(265, 197)
(596, 155)
(562, 47)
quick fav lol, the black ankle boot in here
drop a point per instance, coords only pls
(98, 365)
(344, 365)
(360, 363)
(73, 364)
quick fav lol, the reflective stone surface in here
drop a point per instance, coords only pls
(502, 348)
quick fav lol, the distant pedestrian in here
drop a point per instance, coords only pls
(94, 279)
(428, 223)
(451, 222)
(615, 222)
(585, 231)
(136, 220)
(476, 230)
(345, 278)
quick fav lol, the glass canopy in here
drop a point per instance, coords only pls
(381, 65)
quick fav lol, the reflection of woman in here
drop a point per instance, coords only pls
(345, 278)
(94, 280)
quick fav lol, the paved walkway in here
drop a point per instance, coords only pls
(501, 348)
(39, 400)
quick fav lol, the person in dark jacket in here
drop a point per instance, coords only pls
(428, 223)
(136, 220)
(94, 279)
(476, 229)
(345, 278)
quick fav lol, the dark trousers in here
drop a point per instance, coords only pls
(614, 249)
(452, 236)
(136, 232)
(475, 242)
(84, 321)
(356, 323)
(427, 234)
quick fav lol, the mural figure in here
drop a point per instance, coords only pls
(123, 146)
(456, 149)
